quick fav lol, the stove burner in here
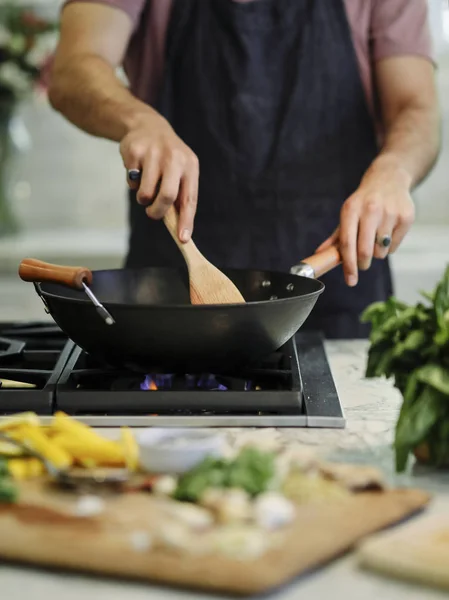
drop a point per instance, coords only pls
(10, 349)
(182, 382)
(31, 360)
(42, 371)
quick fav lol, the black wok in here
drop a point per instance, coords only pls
(156, 329)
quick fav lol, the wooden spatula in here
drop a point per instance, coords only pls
(208, 285)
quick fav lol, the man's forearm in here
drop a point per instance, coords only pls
(90, 95)
(411, 144)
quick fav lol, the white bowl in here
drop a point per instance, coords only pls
(176, 450)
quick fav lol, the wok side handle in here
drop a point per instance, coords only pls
(34, 271)
(318, 264)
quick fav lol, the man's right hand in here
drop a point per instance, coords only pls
(85, 89)
(169, 171)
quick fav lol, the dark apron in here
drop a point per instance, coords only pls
(268, 95)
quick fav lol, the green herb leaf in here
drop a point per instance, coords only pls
(3, 467)
(415, 423)
(252, 470)
(8, 491)
(413, 342)
(435, 376)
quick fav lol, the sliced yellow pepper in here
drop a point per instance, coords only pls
(25, 418)
(18, 468)
(38, 441)
(25, 468)
(62, 423)
(7, 449)
(85, 444)
(36, 467)
(88, 450)
(130, 449)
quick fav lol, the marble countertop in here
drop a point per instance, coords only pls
(371, 408)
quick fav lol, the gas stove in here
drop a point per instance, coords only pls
(41, 370)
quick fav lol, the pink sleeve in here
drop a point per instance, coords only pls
(133, 8)
(400, 27)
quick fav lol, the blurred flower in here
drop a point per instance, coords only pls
(27, 43)
(13, 78)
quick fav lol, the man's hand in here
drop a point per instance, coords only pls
(169, 171)
(382, 206)
(85, 89)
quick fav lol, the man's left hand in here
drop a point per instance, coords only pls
(381, 208)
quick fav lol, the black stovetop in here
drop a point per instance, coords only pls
(43, 371)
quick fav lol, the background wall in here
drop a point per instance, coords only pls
(432, 198)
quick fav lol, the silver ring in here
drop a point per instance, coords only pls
(134, 174)
(384, 241)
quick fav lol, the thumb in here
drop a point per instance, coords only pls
(329, 242)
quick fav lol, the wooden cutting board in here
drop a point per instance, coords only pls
(42, 530)
(418, 551)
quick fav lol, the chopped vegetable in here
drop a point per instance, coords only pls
(89, 506)
(3, 467)
(25, 468)
(411, 345)
(8, 491)
(164, 485)
(303, 488)
(99, 450)
(82, 443)
(228, 504)
(252, 471)
(26, 418)
(8, 449)
(63, 443)
(18, 468)
(36, 439)
(272, 510)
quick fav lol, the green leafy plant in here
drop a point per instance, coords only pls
(411, 345)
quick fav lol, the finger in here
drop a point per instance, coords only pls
(132, 164)
(168, 192)
(332, 239)
(366, 239)
(384, 231)
(403, 225)
(187, 206)
(133, 178)
(349, 223)
(149, 178)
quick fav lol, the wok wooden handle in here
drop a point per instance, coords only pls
(35, 271)
(324, 261)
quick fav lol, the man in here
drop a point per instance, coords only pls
(306, 117)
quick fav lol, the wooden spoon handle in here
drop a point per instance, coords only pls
(324, 261)
(171, 221)
(188, 249)
(35, 271)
